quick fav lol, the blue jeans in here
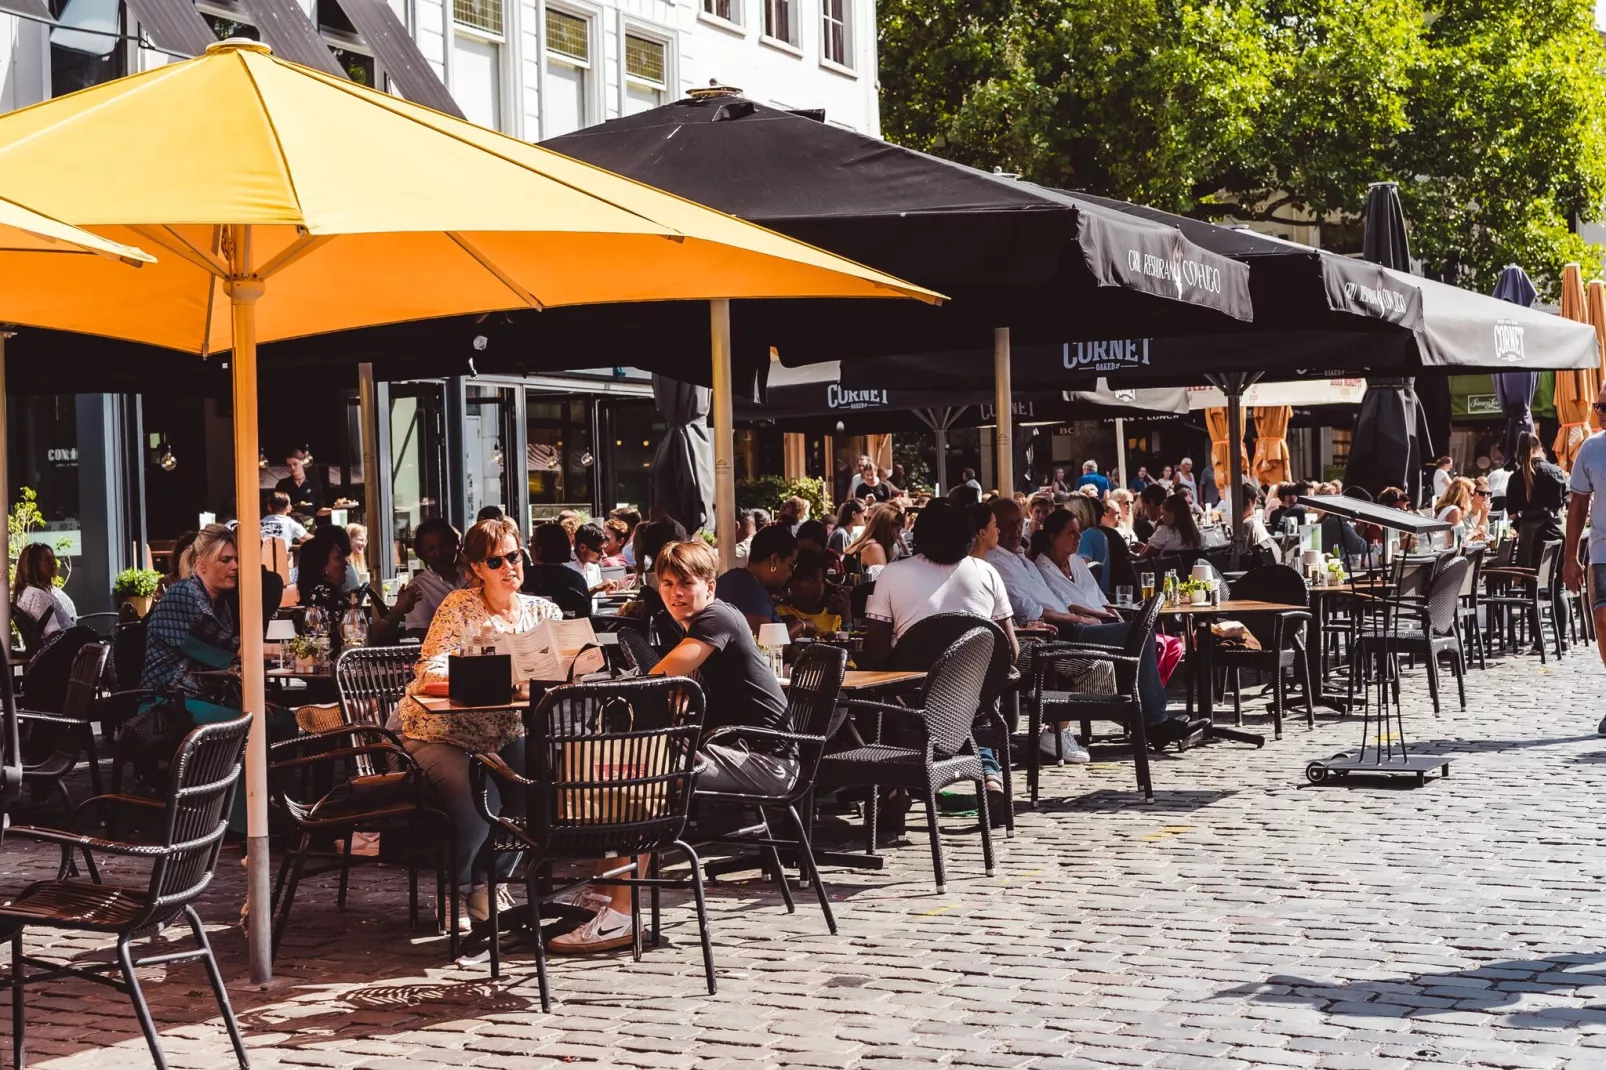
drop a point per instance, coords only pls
(446, 769)
(1150, 690)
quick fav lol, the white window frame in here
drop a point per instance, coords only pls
(634, 27)
(737, 26)
(794, 9)
(595, 91)
(849, 39)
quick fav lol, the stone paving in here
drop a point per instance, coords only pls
(1242, 919)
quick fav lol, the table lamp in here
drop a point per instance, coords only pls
(280, 629)
(771, 638)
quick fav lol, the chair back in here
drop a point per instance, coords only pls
(948, 700)
(859, 598)
(1122, 572)
(1474, 574)
(928, 637)
(1444, 596)
(128, 654)
(1360, 494)
(1270, 583)
(84, 680)
(205, 772)
(612, 763)
(45, 681)
(639, 654)
(276, 557)
(1141, 635)
(815, 686)
(371, 680)
(31, 630)
(1549, 559)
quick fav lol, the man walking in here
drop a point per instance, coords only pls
(1588, 501)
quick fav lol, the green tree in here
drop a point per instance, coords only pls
(1488, 112)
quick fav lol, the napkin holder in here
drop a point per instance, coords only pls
(481, 680)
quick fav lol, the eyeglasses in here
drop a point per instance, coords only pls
(495, 561)
(1600, 407)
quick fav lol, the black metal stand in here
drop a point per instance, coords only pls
(1383, 751)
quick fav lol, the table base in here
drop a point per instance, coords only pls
(1340, 766)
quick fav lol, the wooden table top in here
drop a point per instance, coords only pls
(1231, 605)
(865, 680)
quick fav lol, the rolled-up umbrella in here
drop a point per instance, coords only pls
(1273, 463)
(1216, 424)
(1575, 390)
(1515, 389)
(1595, 309)
(683, 467)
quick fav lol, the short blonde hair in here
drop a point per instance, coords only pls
(209, 543)
(481, 540)
(689, 562)
(353, 530)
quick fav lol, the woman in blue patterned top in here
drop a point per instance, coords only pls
(193, 628)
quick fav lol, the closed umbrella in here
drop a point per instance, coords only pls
(1515, 390)
(683, 467)
(236, 167)
(1272, 464)
(1216, 425)
(1575, 390)
(1595, 309)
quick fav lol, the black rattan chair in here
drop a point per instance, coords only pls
(639, 654)
(193, 816)
(609, 769)
(1426, 628)
(811, 706)
(1538, 599)
(1470, 610)
(54, 740)
(371, 680)
(1281, 636)
(940, 748)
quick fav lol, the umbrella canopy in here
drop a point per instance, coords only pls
(1272, 463)
(1515, 390)
(1298, 393)
(683, 466)
(23, 230)
(1575, 390)
(237, 166)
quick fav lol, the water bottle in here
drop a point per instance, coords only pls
(486, 643)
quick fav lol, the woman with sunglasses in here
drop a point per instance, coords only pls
(440, 743)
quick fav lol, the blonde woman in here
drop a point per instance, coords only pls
(882, 541)
(1453, 506)
(358, 561)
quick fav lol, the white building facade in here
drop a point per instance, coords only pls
(534, 69)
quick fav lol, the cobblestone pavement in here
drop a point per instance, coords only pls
(1242, 919)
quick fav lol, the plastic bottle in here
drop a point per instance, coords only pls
(486, 641)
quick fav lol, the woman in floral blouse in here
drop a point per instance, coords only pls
(440, 742)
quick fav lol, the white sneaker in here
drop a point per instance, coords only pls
(1073, 751)
(584, 898)
(479, 901)
(605, 930)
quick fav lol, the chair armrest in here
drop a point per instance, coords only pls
(1075, 652)
(495, 764)
(381, 734)
(70, 840)
(52, 718)
(339, 752)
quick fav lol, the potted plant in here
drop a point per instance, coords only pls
(304, 649)
(136, 587)
(1197, 592)
(1335, 572)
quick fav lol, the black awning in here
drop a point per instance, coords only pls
(173, 26)
(286, 29)
(398, 54)
(1372, 513)
(37, 10)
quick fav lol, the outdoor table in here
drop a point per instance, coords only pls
(1199, 671)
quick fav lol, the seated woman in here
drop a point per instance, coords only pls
(1453, 508)
(1176, 531)
(551, 577)
(616, 535)
(809, 598)
(440, 743)
(1095, 546)
(36, 594)
(193, 628)
(753, 588)
(882, 540)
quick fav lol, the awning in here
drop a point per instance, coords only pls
(286, 29)
(398, 54)
(173, 26)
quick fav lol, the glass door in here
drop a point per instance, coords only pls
(417, 461)
(560, 463)
(488, 438)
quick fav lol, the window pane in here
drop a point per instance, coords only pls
(358, 67)
(227, 28)
(332, 17)
(640, 98)
(564, 109)
(84, 49)
(477, 80)
(559, 464)
(644, 59)
(568, 35)
(481, 14)
(778, 21)
(836, 31)
(729, 10)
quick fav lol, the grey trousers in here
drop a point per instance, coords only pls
(743, 772)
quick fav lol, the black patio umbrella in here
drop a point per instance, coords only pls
(683, 467)
(1387, 445)
(1515, 389)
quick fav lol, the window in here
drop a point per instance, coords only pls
(778, 21)
(226, 27)
(339, 34)
(646, 73)
(477, 60)
(729, 10)
(568, 71)
(86, 49)
(838, 32)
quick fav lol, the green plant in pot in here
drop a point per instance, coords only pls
(304, 649)
(136, 587)
(1193, 591)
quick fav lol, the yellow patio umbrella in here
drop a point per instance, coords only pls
(1575, 390)
(286, 202)
(1272, 465)
(1595, 310)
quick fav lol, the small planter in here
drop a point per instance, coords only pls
(1199, 598)
(307, 663)
(141, 603)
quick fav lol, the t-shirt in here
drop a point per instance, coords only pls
(741, 589)
(838, 542)
(1095, 547)
(52, 609)
(305, 498)
(1079, 590)
(279, 526)
(913, 588)
(1167, 539)
(1096, 480)
(1441, 482)
(1499, 479)
(736, 679)
(1589, 477)
(825, 622)
(1023, 584)
(880, 492)
(433, 589)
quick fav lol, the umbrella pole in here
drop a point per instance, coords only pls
(719, 333)
(941, 437)
(1120, 451)
(244, 290)
(1004, 464)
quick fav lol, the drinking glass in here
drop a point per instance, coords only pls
(1123, 595)
(1148, 586)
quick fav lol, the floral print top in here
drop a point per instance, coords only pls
(456, 624)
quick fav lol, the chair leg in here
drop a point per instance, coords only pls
(702, 913)
(18, 970)
(872, 809)
(655, 869)
(1459, 666)
(540, 942)
(1279, 696)
(773, 857)
(811, 872)
(345, 873)
(289, 896)
(94, 759)
(635, 915)
(495, 920)
(1237, 696)
(986, 828)
(215, 977)
(936, 842)
(142, 1010)
(1433, 678)
(1310, 695)
(1140, 752)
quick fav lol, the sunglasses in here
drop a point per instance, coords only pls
(495, 561)
(1600, 407)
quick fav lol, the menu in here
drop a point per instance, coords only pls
(550, 651)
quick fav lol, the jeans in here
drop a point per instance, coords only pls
(446, 768)
(1150, 690)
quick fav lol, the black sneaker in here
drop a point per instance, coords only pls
(1174, 729)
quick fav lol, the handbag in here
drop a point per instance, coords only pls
(593, 766)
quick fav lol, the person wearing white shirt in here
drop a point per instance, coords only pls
(1184, 476)
(436, 543)
(279, 524)
(1442, 476)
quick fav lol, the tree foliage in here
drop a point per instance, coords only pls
(1489, 113)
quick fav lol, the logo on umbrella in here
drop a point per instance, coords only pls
(839, 397)
(1108, 356)
(1508, 340)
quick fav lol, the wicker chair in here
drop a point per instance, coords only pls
(639, 654)
(1426, 628)
(193, 816)
(54, 740)
(1281, 636)
(940, 751)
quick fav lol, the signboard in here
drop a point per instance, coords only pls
(1301, 394)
